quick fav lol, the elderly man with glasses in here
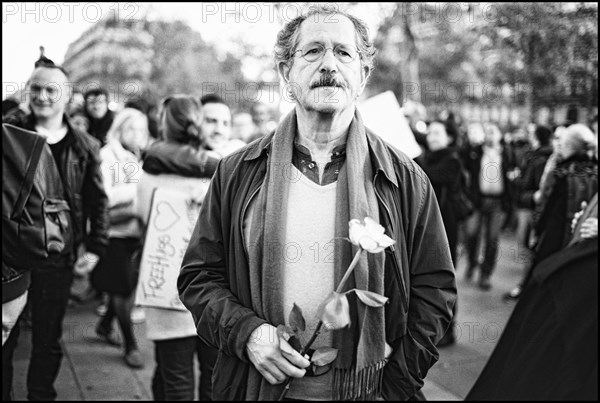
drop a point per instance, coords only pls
(271, 234)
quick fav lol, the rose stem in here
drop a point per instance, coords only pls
(349, 271)
(320, 324)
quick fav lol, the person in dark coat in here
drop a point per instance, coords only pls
(549, 348)
(444, 169)
(527, 184)
(572, 181)
(575, 181)
(236, 286)
(77, 158)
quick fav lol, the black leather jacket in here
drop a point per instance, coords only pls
(420, 283)
(85, 191)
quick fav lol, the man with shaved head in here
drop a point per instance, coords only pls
(77, 157)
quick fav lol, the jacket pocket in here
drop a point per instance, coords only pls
(57, 225)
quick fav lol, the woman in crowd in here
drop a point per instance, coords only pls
(575, 180)
(177, 162)
(442, 165)
(116, 274)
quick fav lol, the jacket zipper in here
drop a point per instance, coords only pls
(242, 219)
(399, 276)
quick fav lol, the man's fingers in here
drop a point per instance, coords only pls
(272, 373)
(583, 205)
(292, 355)
(289, 369)
(267, 375)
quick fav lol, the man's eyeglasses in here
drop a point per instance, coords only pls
(315, 51)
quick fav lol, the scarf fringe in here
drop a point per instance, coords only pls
(367, 384)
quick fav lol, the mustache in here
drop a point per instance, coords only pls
(328, 80)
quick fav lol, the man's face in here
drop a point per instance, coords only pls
(216, 124)
(437, 138)
(261, 114)
(48, 93)
(243, 126)
(493, 135)
(327, 84)
(97, 106)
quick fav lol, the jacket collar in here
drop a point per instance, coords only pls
(380, 155)
(258, 147)
(78, 145)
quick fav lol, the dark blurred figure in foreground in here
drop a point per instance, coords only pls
(9, 105)
(549, 349)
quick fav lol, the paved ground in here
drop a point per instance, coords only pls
(92, 370)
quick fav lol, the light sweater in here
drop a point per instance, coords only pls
(309, 268)
(121, 171)
(309, 265)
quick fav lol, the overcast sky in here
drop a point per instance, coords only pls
(26, 26)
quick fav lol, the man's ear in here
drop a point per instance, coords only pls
(284, 71)
(365, 73)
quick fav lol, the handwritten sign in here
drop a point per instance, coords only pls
(384, 116)
(170, 225)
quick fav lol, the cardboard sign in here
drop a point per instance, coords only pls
(170, 225)
(384, 116)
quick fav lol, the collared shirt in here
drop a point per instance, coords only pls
(302, 160)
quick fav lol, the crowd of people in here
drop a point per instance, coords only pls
(539, 181)
(111, 162)
(534, 185)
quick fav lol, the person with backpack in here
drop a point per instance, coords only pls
(76, 155)
(32, 206)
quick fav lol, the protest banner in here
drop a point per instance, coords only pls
(383, 115)
(170, 225)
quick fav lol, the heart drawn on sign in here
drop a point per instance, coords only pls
(165, 217)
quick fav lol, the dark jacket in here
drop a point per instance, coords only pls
(99, 127)
(214, 280)
(172, 157)
(549, 348)
(444, 169)
(82, 179)
(529, 180)
(576, 180)
(472, 160)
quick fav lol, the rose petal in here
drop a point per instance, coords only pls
(356, 231)
(334, 311)
(368, 244)
(371, 298)
(373, 227)
(385, 241)
(324, 356)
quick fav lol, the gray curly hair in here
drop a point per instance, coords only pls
(288, 37)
